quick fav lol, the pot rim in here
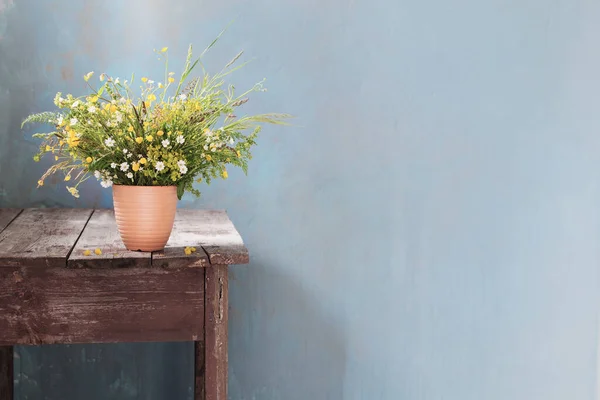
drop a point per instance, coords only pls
(147, 186)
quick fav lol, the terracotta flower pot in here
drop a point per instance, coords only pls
(145, 215)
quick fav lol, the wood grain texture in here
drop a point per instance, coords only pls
(199, 370)
(42, 237)
(215, 333)
(6, 372)
(214, 231)
(101, 233)
(182, 236)
(7, 215)
(60, 305)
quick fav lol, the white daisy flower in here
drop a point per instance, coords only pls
(109, 142)
(160, 166)
(106, 183)
(113, 165)
(130, 175)
(59, 120)
(182, 96)
(73, 121)
(124, 166)
(231, 141)
(166, 143)
(125, 151)
(92, 109)
(129, 155)
(182, 167)
(75, 105)
(180, 139)
(205, 147)
(97, 174)
(117, 81)
(118, 117)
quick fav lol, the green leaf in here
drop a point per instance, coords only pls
(180, 190)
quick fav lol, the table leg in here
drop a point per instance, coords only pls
(215, 333)
(6, 372)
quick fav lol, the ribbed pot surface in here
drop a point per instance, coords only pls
(145, 215)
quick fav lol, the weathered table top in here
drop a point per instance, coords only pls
(59, 237)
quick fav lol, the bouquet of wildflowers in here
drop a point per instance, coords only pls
(175, 132)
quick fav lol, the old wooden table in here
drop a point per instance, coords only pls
(50, 292)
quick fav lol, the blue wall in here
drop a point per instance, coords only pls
(428, 230)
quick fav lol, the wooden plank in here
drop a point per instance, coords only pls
(101, 233)
(7, 215)
(182, 236)
(42, 237)
(215, 333)
(199, 370)
(213, 230)
(61, 305)
(6, 372)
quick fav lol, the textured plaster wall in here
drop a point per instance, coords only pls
(428, 230)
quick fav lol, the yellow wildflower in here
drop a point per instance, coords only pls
(74, 192)
(144, 79)
(146, 104)
(149, 138)
(87, 253)
(55, 158)
(135, 167)
(151, 98)
(143, 161)
(224, 174)
(239, 154)
(171, 79)
(40, 183)
(94, 99)
(139, 140)
(208, 157)
(98, 251)
(164, 49)
(67, 178)
(187, 251)
(130, 128)
(160, 85)
(48, 148)
(87, 76)
(88, 160)
(160, 133)
(113, 108)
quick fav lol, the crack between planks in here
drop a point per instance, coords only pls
(78, 237)
(12, 220)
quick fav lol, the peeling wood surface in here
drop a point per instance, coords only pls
(59, 237)
(7, 215)
(42, 237)
(215, 333)
(101, 232)
(6, 372)
(214, 231)
(183, 235)
(59, 305)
